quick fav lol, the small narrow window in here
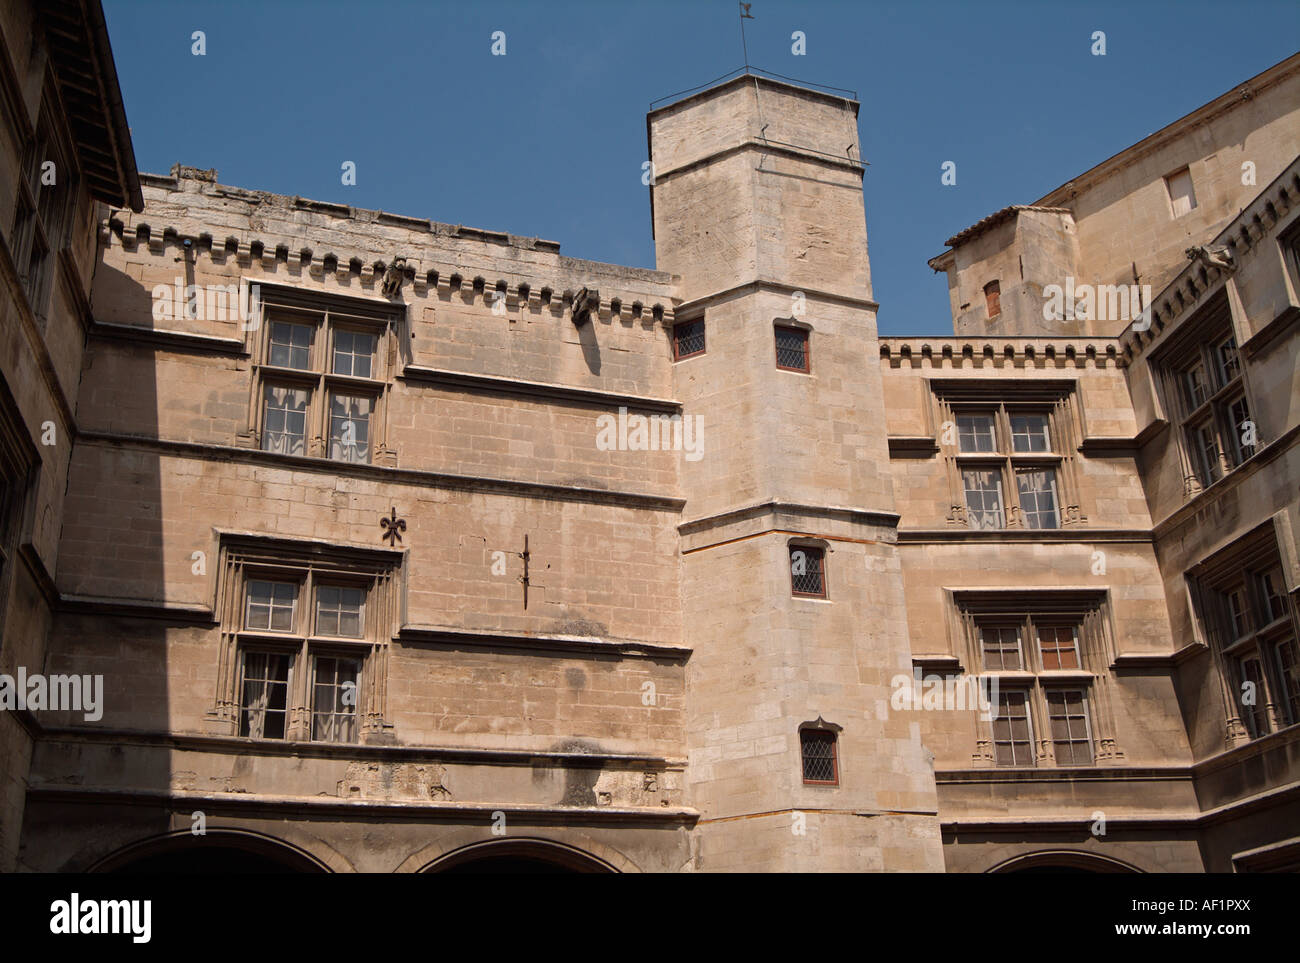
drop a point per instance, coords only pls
(350, 428)
(1038, 497)
(1182, 196)
(792, 349)
(291, 345)
(264, 696)
(984, 498)
(339, 611)
(1288, 671)
(1001, 645)
(820, 765)
(353, 353)
(284, 420)
(975, 433)
(807, 575)
(334, 700)
(993, 299)
(1067, 714)
(1029, 433)
(1013, 743)
(1252, 696)
(1272, 596)
(688, 340)
(271, 606)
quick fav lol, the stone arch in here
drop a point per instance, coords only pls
(582, 855)
(1063, 860)
(167, 852)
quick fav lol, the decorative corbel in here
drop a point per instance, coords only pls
(585, 302)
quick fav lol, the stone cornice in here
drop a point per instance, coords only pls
(757, 285)
(568, 394)
(865, 516)
(630, 294)
(390, 808)
(1196, 283)
(560, 645)
(953, 353)
(197, 742)
(478, 483)
(1074, 534)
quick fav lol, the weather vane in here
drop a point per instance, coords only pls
(745, 15)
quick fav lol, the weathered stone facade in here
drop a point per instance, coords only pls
(419, 473)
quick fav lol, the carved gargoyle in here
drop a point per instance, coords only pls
(1216, 257)
(393, 277)
(585, 301)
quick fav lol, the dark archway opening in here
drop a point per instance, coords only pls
(523, 857)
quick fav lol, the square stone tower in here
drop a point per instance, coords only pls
(792, 593)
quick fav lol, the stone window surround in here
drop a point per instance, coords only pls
(1207, 327)
(827, 732)
(1055, 398)
(1231, 567)
(54, 236)
(244, 557)
(1088, 610)
(19, 466)
(328, 313)
(824, 548)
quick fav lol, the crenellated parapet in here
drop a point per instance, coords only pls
(1002, 353)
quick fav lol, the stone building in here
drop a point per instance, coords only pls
(404, 546)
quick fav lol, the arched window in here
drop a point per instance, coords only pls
(818, 751)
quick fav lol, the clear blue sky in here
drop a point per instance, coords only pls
(549, 139)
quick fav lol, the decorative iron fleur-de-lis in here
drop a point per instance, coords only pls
(393, 527)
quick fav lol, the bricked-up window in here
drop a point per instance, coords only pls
(1182, 196)
(1205, 392)
(993, 299)
(1067, 714)
(334, 700)
(42, 212)
(792, 349)
(1013, 741)
(323, 377)
(688, 340)
(1250, 625)
(807, 571)
(264, 701)
(289, 603)
(820, 763)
